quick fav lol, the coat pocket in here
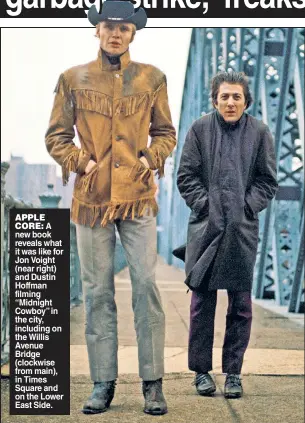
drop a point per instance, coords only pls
(201, 210)
(250, 215)
(139, 172)
(87, 180)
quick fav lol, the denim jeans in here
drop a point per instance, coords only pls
(96, 248)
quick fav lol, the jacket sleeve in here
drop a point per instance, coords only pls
(265, 184)
(161, 131)
(60, 133)
(189, 177)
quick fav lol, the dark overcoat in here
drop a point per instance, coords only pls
(227, 174)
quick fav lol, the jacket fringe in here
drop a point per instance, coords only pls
(132, 104)
(160, 157)
(93, 101)
(88, 181)
(132, 209)
(69, 165)
(86, 214)
(157, 91)
(138, 172)
(103, 104)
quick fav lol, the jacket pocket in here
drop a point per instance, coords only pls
(83, 159)
(250, 215)
(87, 180)
(139, 172)
(202, 210)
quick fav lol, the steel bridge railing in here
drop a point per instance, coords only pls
(273, 59)
(48, 200)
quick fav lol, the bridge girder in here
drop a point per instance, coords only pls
(273, 59)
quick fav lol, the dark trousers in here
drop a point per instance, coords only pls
(201, 337)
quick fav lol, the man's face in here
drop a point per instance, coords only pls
(230, 102)
(115, 37)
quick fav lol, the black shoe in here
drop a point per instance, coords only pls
(233, 386)
(101, 397)
(205, 385)
(155, 403)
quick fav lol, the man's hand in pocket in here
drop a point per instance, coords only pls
(144, 161)
(89, 166)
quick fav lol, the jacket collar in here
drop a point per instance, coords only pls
(106, 65)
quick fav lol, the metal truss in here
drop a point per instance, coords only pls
(273, 59)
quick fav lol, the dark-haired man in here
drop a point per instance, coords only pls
(227, 174)
(116, 104)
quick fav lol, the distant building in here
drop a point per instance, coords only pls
(28, 181)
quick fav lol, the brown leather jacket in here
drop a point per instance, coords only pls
(114, 110)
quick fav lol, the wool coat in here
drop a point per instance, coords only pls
(227, 175)
(114, 108)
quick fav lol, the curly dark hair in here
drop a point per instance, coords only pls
(231, 78)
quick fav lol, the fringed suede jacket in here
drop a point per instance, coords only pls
(114, 109)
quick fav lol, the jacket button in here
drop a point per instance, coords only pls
(117, 75)
(116, 164)
(118, 138)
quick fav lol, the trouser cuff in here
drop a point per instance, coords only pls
(103, 375)
(152, 373)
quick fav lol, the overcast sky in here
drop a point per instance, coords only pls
(32, 60)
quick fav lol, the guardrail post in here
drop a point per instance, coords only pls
(49, 199)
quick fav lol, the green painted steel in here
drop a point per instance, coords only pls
(7, 202)
(50, 200)
(273, 59)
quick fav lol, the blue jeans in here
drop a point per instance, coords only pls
(96, 251)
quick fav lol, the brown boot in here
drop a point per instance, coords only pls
(100, 399)
(155, 403)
